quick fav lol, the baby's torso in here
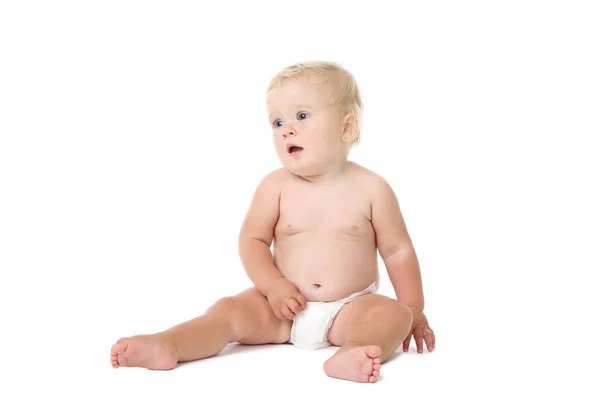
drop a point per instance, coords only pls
(324, 240)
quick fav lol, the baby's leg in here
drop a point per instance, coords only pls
(246, 318)
(369, 330)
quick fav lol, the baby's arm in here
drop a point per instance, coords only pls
(395, 246)
(255, 241)
(400, 259)
(256, 234)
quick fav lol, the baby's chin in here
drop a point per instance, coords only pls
(305, 171)
(300, 168)
(296, 170)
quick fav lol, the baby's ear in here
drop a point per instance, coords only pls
(349, 128)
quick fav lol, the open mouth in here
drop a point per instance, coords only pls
(292, 149)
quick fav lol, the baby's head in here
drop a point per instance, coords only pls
(315, 112)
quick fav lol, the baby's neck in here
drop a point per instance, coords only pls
(332, 173)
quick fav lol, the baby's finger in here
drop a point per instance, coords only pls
(428, 335)
(275, 309)
(278, 314)
(286, 312)
(406, 342)
(293, 305)
(419, 339)
(301, 300)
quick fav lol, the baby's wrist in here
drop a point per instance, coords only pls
(273, 283)
(416, 309)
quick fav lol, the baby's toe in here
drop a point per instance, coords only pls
(376, 373)
(367, 367)
(376, 367)
(122, 361)
(118, 348)
(373, 351)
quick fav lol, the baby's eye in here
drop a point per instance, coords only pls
(276, 124)
(302, 115)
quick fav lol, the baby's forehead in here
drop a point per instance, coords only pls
(297, 92)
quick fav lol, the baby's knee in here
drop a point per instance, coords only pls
(225, 305)
(404, 312)
(393, 311)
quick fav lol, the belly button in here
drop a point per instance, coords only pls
(316, 285)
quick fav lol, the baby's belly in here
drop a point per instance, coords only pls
(326, 268)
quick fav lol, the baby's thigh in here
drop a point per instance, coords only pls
(255, 322)
(357, 312)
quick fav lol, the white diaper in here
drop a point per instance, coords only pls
(311, 325)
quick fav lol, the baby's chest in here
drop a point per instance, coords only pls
(336, 211)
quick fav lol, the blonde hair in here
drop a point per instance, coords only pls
(343, 89)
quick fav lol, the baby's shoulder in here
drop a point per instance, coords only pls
(367, 178)
(276, 177)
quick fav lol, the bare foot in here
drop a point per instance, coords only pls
(146, 351)
(358, 364)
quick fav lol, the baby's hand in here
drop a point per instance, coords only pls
(420, 330)
(284, 299)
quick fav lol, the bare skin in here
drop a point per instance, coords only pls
(245, 318)
(324, 232)
(327, 218)
(316, 249)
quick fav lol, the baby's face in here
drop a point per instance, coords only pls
(307, 131)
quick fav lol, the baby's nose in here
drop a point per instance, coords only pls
(288, 132)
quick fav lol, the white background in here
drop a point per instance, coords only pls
(133, 134)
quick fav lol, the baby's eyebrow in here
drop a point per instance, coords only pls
(302, 106)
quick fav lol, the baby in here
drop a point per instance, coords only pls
(326, 217)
